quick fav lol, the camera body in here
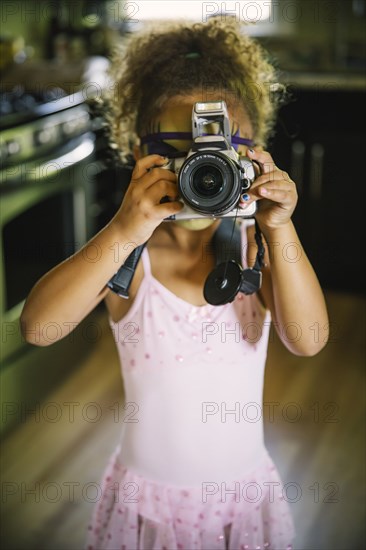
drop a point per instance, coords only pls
(213, 176)
(211, 179)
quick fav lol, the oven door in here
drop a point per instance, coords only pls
(44, 219)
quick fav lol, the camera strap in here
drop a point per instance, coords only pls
(226, 250)
(156, 142)
(161, 136)
(121, 281)
(225, 281)
(226, 244)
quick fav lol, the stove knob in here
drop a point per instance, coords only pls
(69, 127)
(45, 135)
(13, 147)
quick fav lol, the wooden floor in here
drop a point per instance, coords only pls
(316, 437)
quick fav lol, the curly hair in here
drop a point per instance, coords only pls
(174, 59)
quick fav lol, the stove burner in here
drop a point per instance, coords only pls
(20, 100)
(35, 124)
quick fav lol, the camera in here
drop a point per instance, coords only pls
(213, 176)
(211, 179)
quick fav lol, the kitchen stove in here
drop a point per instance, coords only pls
(31, 128)
(44, 105)
(19, 100)
(47, 179)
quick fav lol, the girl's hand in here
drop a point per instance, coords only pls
(275, 190)
(141, 211)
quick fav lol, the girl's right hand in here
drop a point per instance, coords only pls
(141, 211)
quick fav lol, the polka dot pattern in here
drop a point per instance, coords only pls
(163, 331)
(162, 516)
(161, 326)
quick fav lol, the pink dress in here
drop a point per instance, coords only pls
(192, 459)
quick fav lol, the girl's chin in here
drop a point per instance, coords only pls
(196, 224)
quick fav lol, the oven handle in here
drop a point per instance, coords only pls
(35, 171)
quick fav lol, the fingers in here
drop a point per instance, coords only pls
(144, 164)
(160, 189)
(275, 186)
(272, 180)
(275, 175)
(169, 208)
(150, 184)
(151, 177)
(151, 202)
(263, 158)
(273, 183)
(148, 199)
(276, 193)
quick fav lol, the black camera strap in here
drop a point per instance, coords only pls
(252, 276)
(226, 243)
(225, 281)
(121, 281)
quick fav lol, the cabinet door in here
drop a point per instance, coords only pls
(336, 204)
(320, 142)
(290, 151)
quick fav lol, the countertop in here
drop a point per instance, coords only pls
(325, 81)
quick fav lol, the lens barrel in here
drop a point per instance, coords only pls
(209, 183)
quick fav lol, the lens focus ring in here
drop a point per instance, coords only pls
(209, 183)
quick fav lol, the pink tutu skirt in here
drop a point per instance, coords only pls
(134, 513)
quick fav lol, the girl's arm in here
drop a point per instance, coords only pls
(290, 287)
(67, 293)
(64, 296)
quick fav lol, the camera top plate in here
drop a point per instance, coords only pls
(204, 114)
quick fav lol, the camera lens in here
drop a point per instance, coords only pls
(207, 181)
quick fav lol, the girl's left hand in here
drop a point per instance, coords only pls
(274, 189)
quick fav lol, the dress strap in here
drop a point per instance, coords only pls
(146, 262)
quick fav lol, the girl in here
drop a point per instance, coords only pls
(191, 470)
